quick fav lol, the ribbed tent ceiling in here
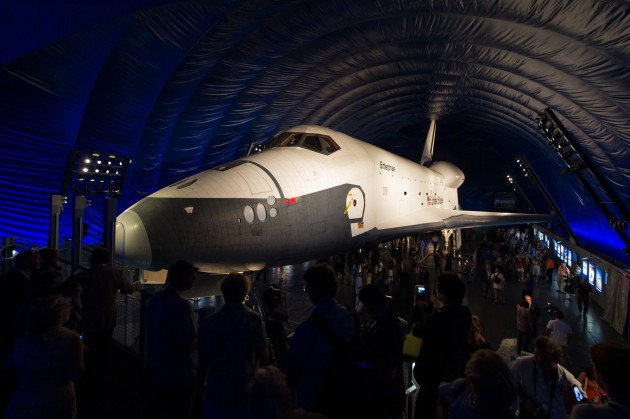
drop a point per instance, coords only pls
(181, 87)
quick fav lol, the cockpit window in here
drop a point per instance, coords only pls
(329, 145)
(312, 143)
(286, 139)
(229, 165)
(184, 183)
(315, 142)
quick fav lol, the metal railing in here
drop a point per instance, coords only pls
(129, 328)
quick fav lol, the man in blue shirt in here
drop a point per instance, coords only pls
(309, 352)
(232, 343)
(171, 333)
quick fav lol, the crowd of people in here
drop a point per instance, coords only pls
(240, 362)
(56, 332)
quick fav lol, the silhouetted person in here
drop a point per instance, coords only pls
(270, 395)
(448, 262)
(524, 326)
(383, 335)
(13, 293)
(405, 282)
(101, 283)
(488, 392)
(50, 259)
(534, 310)
(275, 317)
(45, 283)
(583, 294)
(476, 340)
(424, 277)
(231, 344)
(171, 337)
(437, 262)
(444, 335)
(310, 353)
(549, 265)
(48, 359)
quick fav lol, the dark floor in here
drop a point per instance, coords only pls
(122, 396)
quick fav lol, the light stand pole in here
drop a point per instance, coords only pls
(8, 245)
(80, 203)
(109, 226)
(56, 206)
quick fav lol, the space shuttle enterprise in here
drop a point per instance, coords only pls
(312, 193)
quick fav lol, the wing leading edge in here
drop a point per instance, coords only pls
(439, 218)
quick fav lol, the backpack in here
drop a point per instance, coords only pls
(351, 385)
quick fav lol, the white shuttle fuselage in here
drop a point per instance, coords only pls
(312, 193)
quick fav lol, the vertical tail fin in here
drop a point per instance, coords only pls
(427, 152)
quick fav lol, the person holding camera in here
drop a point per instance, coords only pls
(546, 388)
(611, 361)
(594, 392)
(444, 335)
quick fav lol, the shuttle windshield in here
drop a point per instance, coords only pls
(315, 142)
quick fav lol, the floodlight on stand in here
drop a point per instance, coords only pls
(94, 173)
(85, 170)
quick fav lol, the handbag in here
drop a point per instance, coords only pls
(411, 346)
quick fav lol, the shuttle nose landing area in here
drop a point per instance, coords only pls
(132, 242)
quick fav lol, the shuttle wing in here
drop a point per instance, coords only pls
(427, 219)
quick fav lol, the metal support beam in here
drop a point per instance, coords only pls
(56, 206)
(109, 225)
(536, 182)
(8, 246)
(524, 195)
